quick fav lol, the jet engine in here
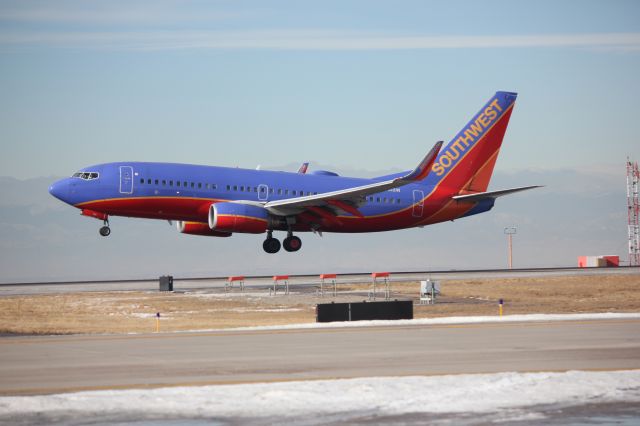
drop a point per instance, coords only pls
(197, 228)
(238, 217)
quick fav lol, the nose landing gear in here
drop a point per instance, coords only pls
(105, 231)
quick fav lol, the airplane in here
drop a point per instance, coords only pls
(449, 183)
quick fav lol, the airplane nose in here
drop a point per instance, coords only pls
(59, 189)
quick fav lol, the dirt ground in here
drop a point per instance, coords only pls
(135, 312)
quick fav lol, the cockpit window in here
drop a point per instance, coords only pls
(86, 175)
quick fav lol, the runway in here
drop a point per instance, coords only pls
(191, 284)
(54, 364)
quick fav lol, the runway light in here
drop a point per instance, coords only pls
(500, 304)
(157, 322)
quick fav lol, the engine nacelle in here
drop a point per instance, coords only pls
(197, 228)
(236, 217)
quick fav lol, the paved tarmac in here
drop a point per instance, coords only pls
(53, 364)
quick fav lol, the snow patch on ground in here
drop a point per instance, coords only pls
(506, 394)
(285, 309)
(448, 320)
(144, 315)
(229, 295)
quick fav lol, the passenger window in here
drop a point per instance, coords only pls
(207, 186)
(178, 183)
(378, 199)
(279, 191)
(149, 181)
(170, 183)
(156, 181)
(184, 184)
(214, 186)
(270, 190)
(228, 187)
(235, 187)
(199, 185)
(293, 192)
(142, 181)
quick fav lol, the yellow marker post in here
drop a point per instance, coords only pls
(500, 306)
(157, 322)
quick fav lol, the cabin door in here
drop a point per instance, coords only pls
(126, 180)
(418, 203)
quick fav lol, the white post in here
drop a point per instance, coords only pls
(510, 231)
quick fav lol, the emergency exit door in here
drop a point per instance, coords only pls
(418, 203)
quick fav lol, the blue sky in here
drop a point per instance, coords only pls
(357, 86)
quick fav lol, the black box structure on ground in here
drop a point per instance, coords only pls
(166, 283)
(328, 312)
(359, 311)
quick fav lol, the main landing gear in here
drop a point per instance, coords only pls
(292, 243)
(105, 231)
(272, 245)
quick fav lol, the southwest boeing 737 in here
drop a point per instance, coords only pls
(449, 183)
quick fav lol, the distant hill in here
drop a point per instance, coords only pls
(577, 213)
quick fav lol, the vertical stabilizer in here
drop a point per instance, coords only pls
(466, 164)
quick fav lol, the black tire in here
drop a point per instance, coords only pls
(271, 245)
(292, 243)
(105, 231)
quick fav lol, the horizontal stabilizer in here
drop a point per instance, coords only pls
(492, 194)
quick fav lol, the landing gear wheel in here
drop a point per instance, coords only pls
(292, 243)
(105, 231)
(271, 245)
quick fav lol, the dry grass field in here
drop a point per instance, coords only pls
(129, 312)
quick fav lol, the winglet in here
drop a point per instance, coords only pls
(316, 201)
(425, 165)
(303, 168)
